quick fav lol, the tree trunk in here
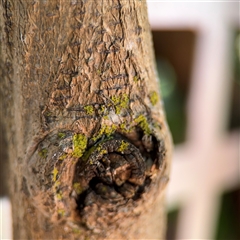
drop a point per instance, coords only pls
(89, 148)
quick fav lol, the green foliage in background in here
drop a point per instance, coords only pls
(174, 100)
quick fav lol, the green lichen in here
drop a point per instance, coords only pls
(79, 145)
(124, 145)
(59, 195)
(120, 102)
(76, 230)
(143, 123)
(135, 79)
(89, 109)
(110, 130)
(63, 156)
(61, 135)
(124, 128)
(48, 114)
(54, 173)
(153, 98)
(105, 130)
(77, 187)
(43, 153)
(101, 150)
(57, 184)
(61, 212)
(102, 109)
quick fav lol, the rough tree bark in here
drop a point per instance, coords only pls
(89, 149)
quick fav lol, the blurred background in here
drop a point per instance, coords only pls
(197, 47)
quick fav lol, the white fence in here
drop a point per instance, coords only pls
(207, 164)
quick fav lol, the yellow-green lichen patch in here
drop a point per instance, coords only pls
(124, 128)
(105, 130)
(61, 135)
(48, 114)
(79, 145)
(101, 150)
(153, 98)
(124, 145)
(77, 187)
(89, 109)
(76, 230)
(43, 153)
(61, 212)
(143, 124)
(120, 102)
(108, 130)
(63, 156)
(103, 110)
(54, 173)
(135, 79)
(56, 185)
(59, 195)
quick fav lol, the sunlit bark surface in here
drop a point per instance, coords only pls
(89, 149)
